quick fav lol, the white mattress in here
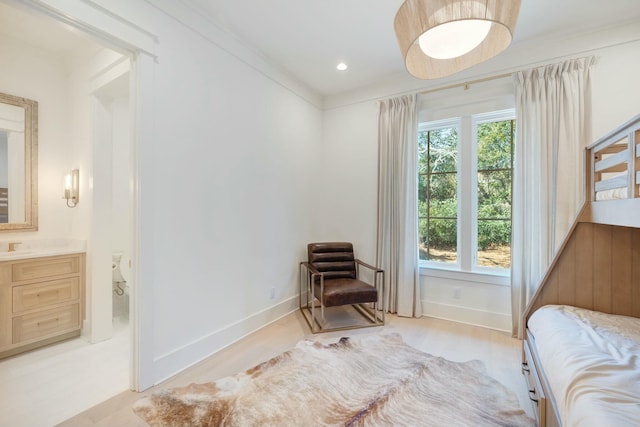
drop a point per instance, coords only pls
(592, 363)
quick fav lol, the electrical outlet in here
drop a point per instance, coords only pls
(456, 293)
(272, 294)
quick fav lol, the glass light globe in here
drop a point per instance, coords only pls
(454, 39)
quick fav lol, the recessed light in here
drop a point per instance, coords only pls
(341, 66)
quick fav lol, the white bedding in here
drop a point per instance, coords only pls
(592, 363)
(614, 194)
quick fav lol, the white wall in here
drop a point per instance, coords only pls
(349, 179)
(233, 157)
(39, 75)
(616, 88)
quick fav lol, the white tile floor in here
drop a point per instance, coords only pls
(46, 386)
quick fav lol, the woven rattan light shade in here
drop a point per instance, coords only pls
(415, 17)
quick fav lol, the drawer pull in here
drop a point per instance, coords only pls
(57, 291)
(525, 368)
(532, 396)
(48, 321)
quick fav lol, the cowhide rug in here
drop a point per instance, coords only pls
(371, 380)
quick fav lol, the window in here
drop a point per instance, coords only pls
(438, 192)
(465, 169)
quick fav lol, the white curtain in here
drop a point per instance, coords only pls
(397, 240)
(553, 125)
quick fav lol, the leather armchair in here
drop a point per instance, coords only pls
(331, 278)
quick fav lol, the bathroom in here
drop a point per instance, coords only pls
(83, 122)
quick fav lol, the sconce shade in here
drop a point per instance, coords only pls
(438, 38)
(72, 188)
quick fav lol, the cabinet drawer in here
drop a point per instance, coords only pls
(40, 295)
(536, 392)
(45, 267)
(49, 322)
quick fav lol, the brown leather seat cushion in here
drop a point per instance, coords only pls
(346, 291)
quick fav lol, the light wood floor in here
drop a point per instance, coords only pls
(454, 341)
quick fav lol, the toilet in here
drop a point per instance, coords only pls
(120, 286)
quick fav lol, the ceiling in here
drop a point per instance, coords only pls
(308, 38)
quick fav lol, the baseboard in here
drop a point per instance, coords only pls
(467, 315)
(172, 363)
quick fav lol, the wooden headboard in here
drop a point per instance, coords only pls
(597, 268)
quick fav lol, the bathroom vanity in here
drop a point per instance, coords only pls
(41, 299)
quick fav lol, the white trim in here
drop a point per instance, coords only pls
(467, 191)
(453, 122)
(439, 124)
(466, 162)
(488, 278)
(476, 119)
(142, 245)
(175, 361)
(95, 4)
(494, 116)
(467, 315)
(98, 22)
(187, 15)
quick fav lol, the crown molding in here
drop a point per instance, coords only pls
(206, 27)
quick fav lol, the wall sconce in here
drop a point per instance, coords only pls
(72, 188)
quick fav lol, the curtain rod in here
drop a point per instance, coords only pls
(548, 61)
(465, 84)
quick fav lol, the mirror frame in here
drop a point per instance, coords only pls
(30, 163)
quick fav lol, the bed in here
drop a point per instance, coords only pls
(592, 364)
(589, 300)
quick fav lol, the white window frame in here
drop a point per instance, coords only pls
(476, 119)
(467, 206)
(454, 122)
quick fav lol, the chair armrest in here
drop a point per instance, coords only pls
(364, 264)
(311, 268)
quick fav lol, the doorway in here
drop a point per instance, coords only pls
(84, 96)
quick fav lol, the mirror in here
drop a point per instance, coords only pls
(18, 163)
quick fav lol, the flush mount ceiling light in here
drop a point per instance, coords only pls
(341, 66)
(438, 38)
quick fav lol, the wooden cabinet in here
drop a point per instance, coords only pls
(41, 301)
